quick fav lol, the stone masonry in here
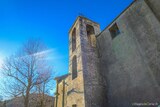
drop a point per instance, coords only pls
(118, 67)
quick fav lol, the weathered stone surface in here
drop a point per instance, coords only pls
(131, 62)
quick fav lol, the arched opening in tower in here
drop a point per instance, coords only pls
(74, 67)
(91, 35)
(74, 39)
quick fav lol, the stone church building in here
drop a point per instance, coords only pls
(116, 67)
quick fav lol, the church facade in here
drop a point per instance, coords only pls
(118, 67)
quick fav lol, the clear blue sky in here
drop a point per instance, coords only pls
(50, 20)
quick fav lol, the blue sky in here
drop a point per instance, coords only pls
(50, 20)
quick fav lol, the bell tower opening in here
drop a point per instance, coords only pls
(74, 67)
(74, 39)
(91, 35)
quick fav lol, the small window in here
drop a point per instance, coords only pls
(114, 30)
(74, 67)
(74, 105)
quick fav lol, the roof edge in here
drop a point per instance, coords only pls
(83, 18)
(61, 77)
(117, 17)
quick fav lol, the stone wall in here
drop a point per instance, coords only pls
(120, 71)
(93, 84)
(155, 7)
(75, 87)
(87, 89)
(130, 63)
(70, 92)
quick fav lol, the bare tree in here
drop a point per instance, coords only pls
(43, 89)
(27, 69)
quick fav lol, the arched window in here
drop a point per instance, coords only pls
(74, 39)
(91, 35)
(74, 67)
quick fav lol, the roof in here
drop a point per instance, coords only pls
(60, 78)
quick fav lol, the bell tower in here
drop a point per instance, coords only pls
(83, 64)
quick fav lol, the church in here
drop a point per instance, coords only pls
(116, 67)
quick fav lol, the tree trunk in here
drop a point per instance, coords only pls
(26, 101)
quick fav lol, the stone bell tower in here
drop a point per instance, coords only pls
(83, 64)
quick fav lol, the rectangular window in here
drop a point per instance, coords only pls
(114, 31)
(74, 105)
